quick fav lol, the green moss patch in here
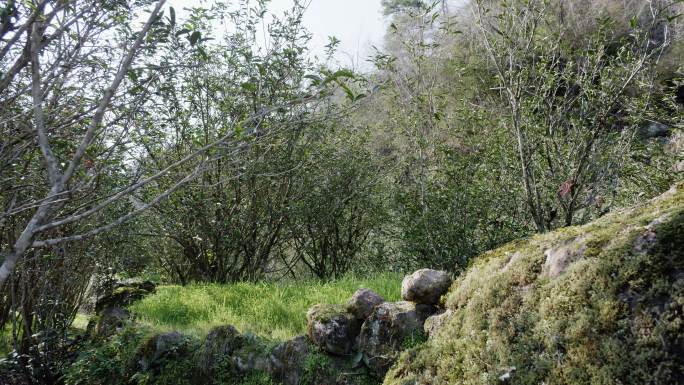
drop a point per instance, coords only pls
(613, 316)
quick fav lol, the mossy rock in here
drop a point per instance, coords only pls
(332, 328)
(157, 350)
(110, 321)
(124, 295)
(610, 312)
(391, 328)
(220, 342)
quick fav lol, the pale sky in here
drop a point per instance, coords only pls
(358, 24)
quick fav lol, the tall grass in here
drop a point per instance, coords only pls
(271, 310)
(5, 340)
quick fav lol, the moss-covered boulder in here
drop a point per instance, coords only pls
(596, 304)
(155, 352)
(332, 328)
(111, 321)
(124, 294)
(287, 360)
(386, 332)
(219, 344)
(253, 355)
(362, 303)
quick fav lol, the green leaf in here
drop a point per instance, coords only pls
(172, 16)
(194, 37)
(249, 86)
(348, 91)
(672, 18)
(315, 80)
(633, 22)
(182, 31)
(343, 73)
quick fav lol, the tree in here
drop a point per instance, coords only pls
(59, 98)
(229, 223)
(66, 98)
(575, 105)
(336, 204)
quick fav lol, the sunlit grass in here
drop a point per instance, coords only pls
(5, 340)
(271, 310)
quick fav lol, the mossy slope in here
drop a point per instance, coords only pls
(614, 314)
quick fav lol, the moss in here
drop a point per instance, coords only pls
(317, 365)
(325, 313)
(413, 340)
(257, 378)
(121, 296)
(614, 316)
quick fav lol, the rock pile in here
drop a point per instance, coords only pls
(379, 330)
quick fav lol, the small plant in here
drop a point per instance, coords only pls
(413, 340)
(106, 363)
(316, 365)
(257, 378)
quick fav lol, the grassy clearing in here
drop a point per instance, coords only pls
(271, 310)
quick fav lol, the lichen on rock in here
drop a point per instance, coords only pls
(384, 332)
(332, 328)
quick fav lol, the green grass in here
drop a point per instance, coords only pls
(5, 340)
(270, 310)
(79, 325)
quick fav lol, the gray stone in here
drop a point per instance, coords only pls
(332, 328)
(159, 348)
(221, 341)
(111, 321)
(435, 322)
(363, 302)
(247, 359)
(287, 361)
(385, 331)
(425, 286)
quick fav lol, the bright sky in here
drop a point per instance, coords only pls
(358, 24)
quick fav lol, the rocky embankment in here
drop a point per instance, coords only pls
(596, 304)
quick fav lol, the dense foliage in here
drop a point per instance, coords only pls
(135, 141)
